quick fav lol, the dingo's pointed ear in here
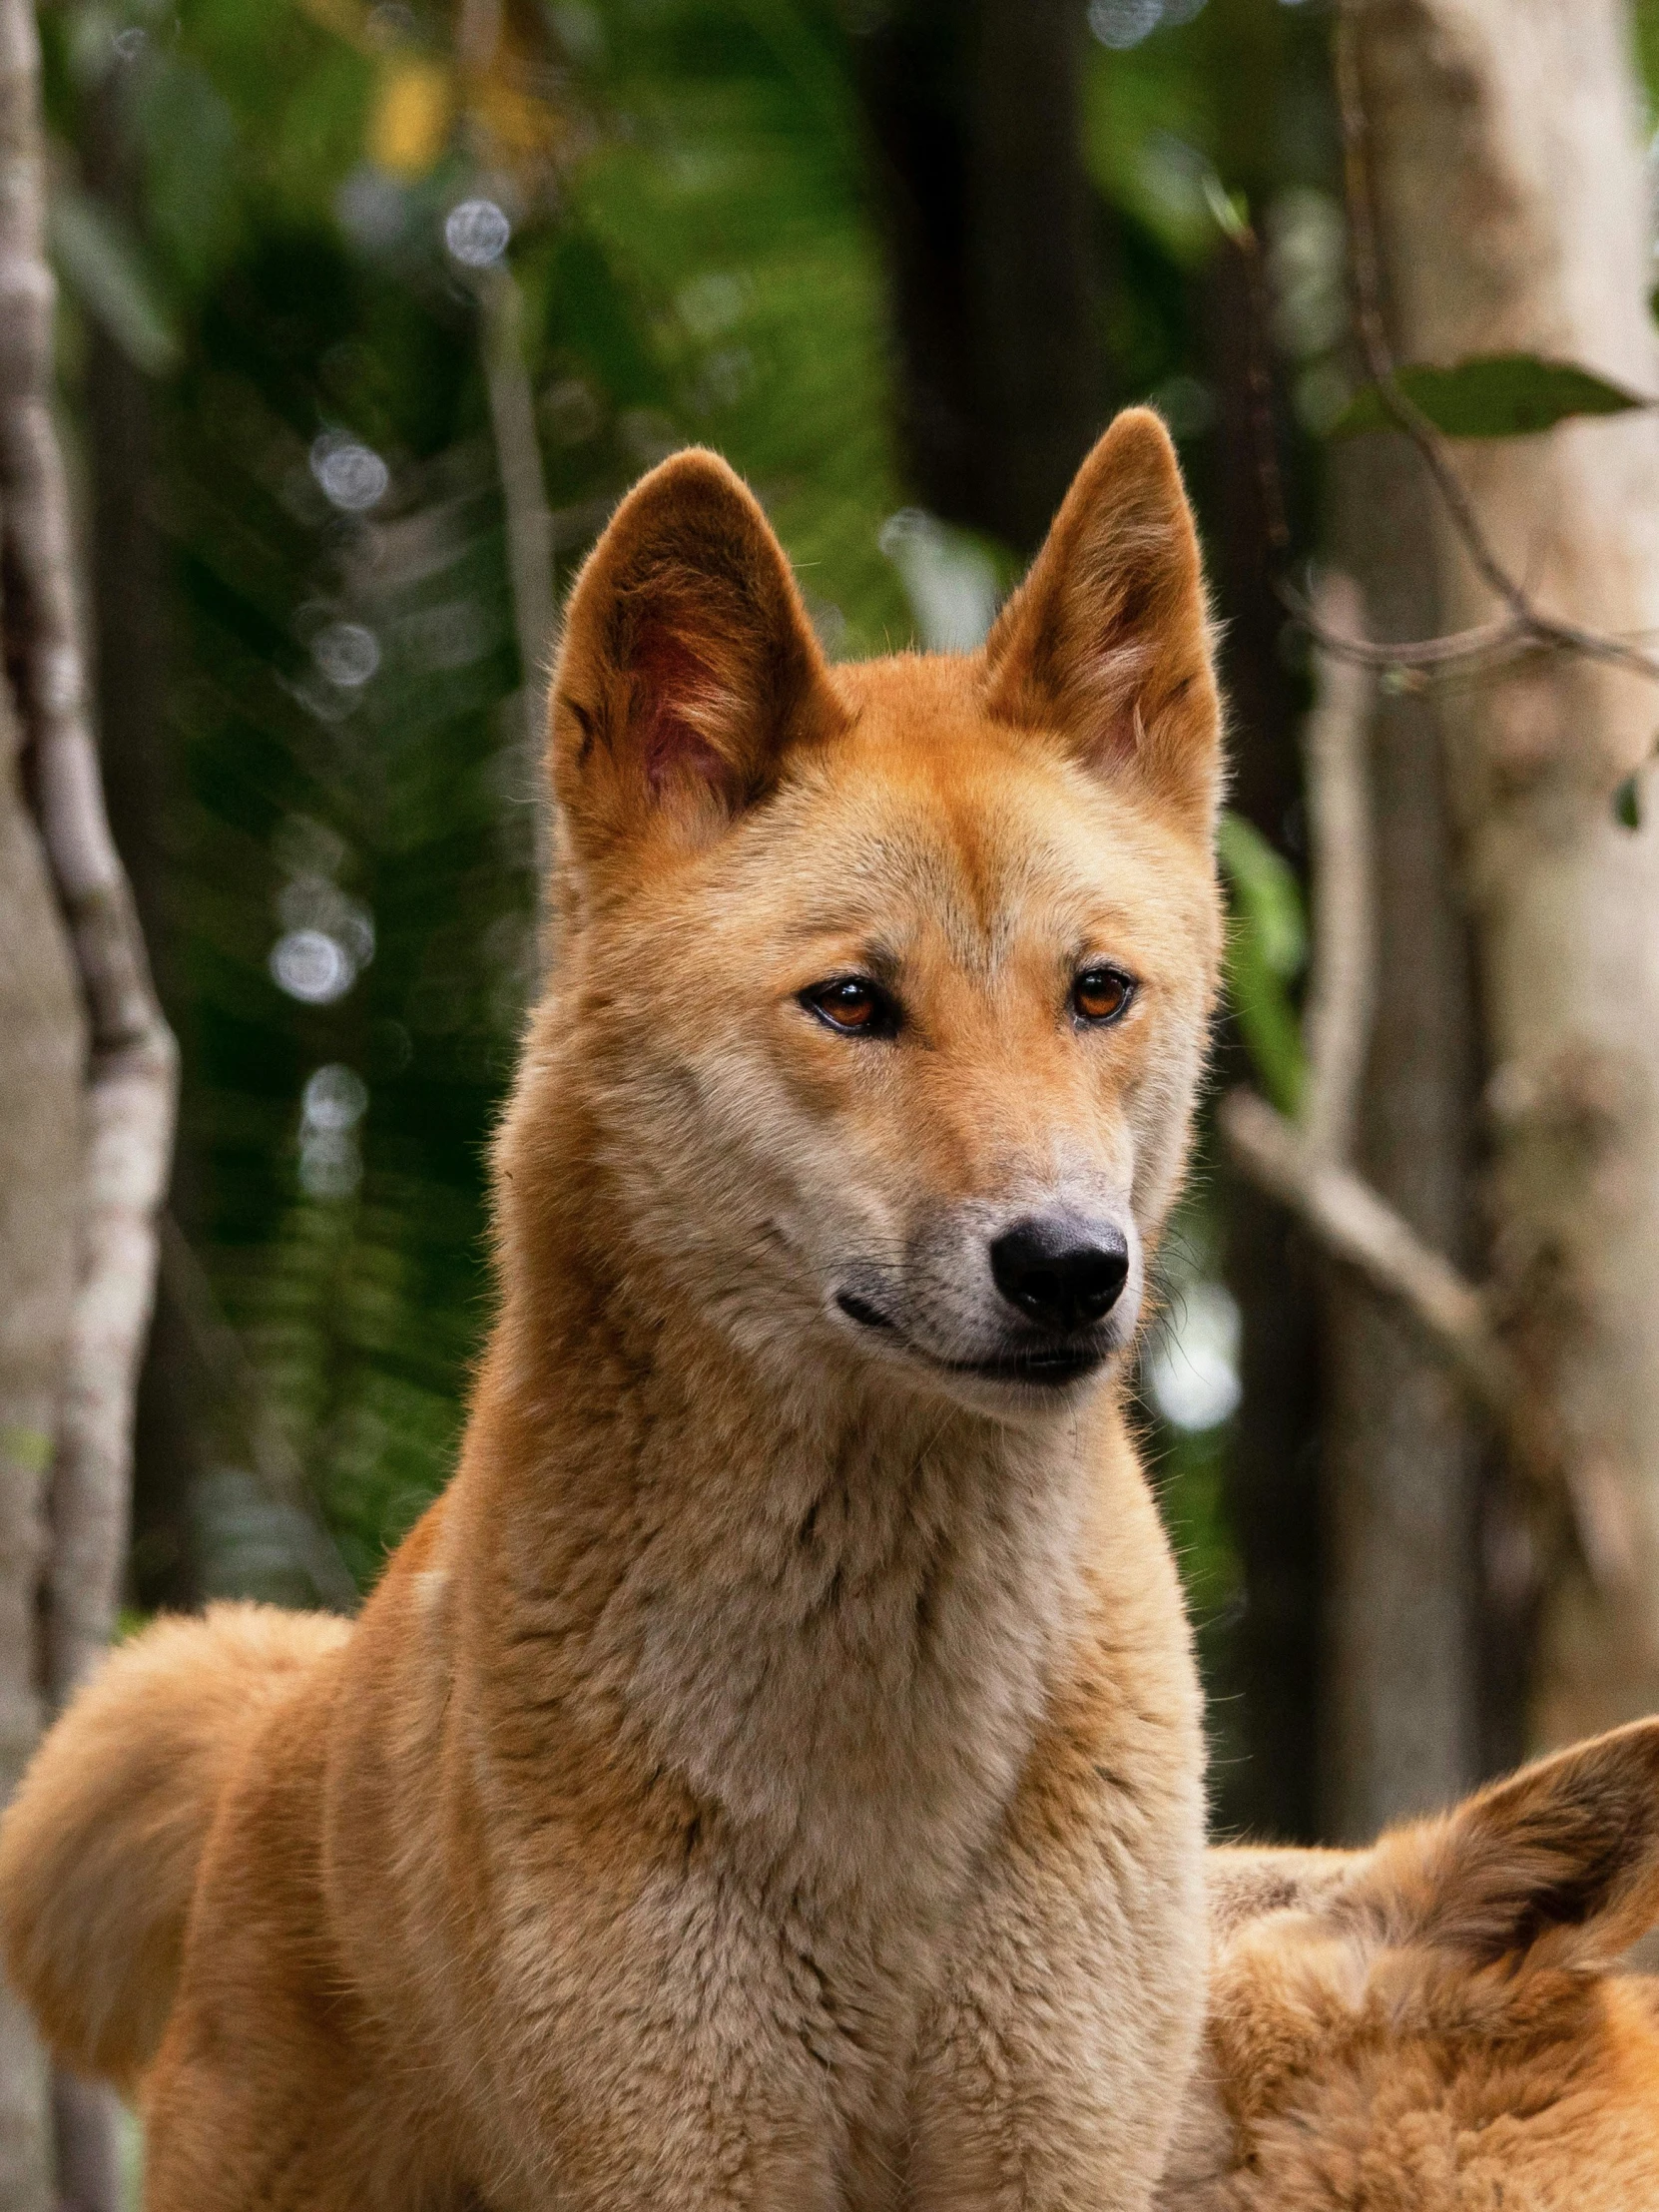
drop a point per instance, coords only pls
(1108, 637)
(687, 665)
(1245, 1881)
(1561, 1859)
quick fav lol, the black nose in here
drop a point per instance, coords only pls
(1059, 1272)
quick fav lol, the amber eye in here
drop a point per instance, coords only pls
(1102, 995)
(852, 1004)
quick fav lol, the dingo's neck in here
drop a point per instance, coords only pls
(831, 1608)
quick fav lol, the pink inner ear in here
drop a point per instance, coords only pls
(675, 685)
(1115, 678)
(1117, 734)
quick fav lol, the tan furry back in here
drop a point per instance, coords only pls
(100, 1848)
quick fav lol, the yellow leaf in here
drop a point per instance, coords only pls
(410, 127)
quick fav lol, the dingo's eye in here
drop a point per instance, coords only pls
(1102, 995)
(852, 1004)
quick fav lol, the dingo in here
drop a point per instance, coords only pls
(770, 1776)
(1436, 2024)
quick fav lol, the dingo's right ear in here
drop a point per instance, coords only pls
(1558, 1864)
(687, 665)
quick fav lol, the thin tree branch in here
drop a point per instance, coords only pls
(1304, 1167)
(524, 495)
(1338, 1013)
(1459, 649)
(530, 551)
(1358, 1228)
(1259, 371)
(1525, 623)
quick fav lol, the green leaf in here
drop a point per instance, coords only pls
(1495, 395)
(1266, 896)
(1230, 209)
(1627, 803)
(1267, 946)
(106, 274)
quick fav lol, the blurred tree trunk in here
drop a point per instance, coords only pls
(41, 1135)
(1271, 1477)
(989, 223)
(1273, 1468)
(1513, 203)
(116, 1129)
(1031, 264)
(1402, 1720)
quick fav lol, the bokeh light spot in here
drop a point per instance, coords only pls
(347, 653)
(313, 966)
(352, 474)
(476, 233)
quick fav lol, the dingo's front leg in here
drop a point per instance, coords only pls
(1054, 2054)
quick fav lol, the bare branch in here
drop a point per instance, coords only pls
(1358, 1228)
(1337, 1017)
(1525, 618)
(529, 523)
(512, 408)
(1460, 650)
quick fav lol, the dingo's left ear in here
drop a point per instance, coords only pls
(687, 665)
(1560, 1861)
(1108, 637)
(1243, 1882)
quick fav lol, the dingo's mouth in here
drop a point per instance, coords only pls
(1047, 1368)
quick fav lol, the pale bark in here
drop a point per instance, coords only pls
(42, 1053)
(1513, 215)
(126, 1105)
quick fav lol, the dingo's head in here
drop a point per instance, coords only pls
(885, 986)
(1436, 2026)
